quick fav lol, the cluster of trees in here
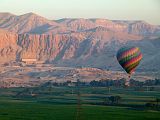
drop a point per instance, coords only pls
(112, 100)
(153, 104)
(106, 83)
(152, 82)
(121, 83)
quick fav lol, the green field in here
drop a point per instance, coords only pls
(59, 103)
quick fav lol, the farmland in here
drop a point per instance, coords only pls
(60, 103)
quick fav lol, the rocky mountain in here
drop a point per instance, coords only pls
(27, 23)
(76, 42)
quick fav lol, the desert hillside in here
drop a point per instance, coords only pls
(76, 42)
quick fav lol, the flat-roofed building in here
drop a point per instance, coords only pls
(29, 60)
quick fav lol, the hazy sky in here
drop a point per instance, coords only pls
(148, 10)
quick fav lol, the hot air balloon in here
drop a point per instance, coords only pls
(129, 58)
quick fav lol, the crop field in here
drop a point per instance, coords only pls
(60, 103)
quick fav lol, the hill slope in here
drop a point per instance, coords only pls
(76, 42)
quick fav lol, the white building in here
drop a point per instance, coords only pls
(29, 61)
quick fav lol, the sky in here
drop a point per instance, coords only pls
(147, 10)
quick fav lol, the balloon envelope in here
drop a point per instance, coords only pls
(129, 58)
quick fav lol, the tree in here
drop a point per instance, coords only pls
(114, 99)
(157, 101)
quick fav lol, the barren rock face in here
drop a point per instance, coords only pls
(75, 42)
(8, 46)
(42, 47)
(56, 47)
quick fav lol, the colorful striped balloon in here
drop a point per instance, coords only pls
(129, 58)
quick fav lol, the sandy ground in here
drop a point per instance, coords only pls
(32, 75)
